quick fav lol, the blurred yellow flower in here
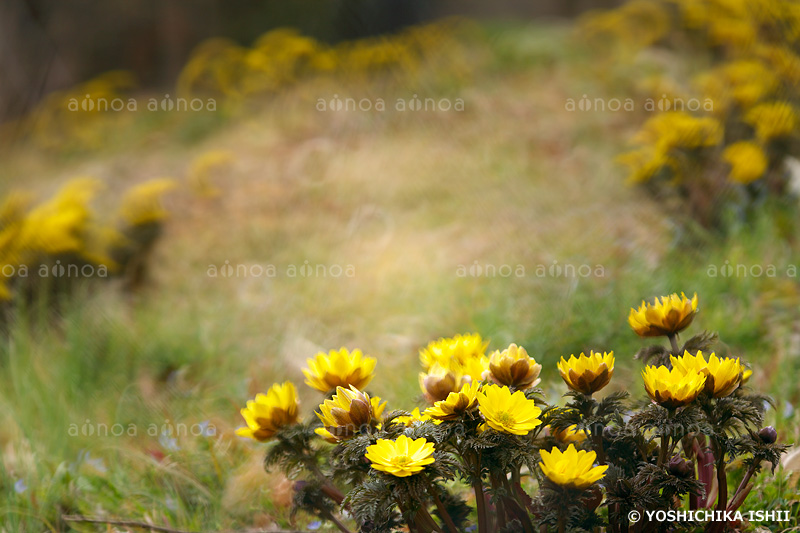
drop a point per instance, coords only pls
(645, 163)
(414, 418)
(347, 412)
(678, 129)
(59, 225)
(571, 468)
(270, 412)
(456, 403)
(746, 375)
(747, 160)
(507, 412)
(339, 369)
(772, 120)
(453, 353)
(402, 457)
(513, 367)
(143, 204)
(742, 82)
(723, 376)
(569, 435)
(205, 168)
(672, 388)
(667, 317)
(587, 373)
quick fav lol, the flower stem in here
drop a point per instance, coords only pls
(562, 519)
(737, 500)
(448, 520)
(338, 523)
(673, 340)
(480, 501)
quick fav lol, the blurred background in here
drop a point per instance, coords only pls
(196, 197)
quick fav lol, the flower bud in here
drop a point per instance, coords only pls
(513, 367)
(438, 382)
(768, 435)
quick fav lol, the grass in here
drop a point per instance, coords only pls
(409, 200)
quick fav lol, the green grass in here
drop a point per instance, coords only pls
(407, 199)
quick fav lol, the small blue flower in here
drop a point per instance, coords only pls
(168, 443)
(20, 486)
(207, 429)
(788, 410)
(171, 504)
(313, 526)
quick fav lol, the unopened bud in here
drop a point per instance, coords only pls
(768, 435)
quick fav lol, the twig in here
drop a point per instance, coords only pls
(151, 527)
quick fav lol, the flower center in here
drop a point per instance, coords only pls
(506, 418)
(401, 460)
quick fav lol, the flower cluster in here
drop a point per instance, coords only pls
(529, 465)
(749, 121)
(53, 244)
(282, 57)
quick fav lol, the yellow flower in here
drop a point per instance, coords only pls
(572, 468)
(671, 315)
(327, 435)
(339, 369)
(772, 120)
(59, 225)
(205, 168)
(646, 162)
(378, 406)
(672, 130)
(672, 388)
(747, 160)
(507, 412)
(514, 368)
(723, 376)
(456, 403)
(453, 353)
(569, 435)
(269, 412)
(414, 418)
(438, 382)
(346, 413)
(742, 82)
(402, 457)
(746, 375)
(587, 373)
(143, 203)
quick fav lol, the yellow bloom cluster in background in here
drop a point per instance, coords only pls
(744, 123)
(63, 239)
(220, 75)
(282, 57)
